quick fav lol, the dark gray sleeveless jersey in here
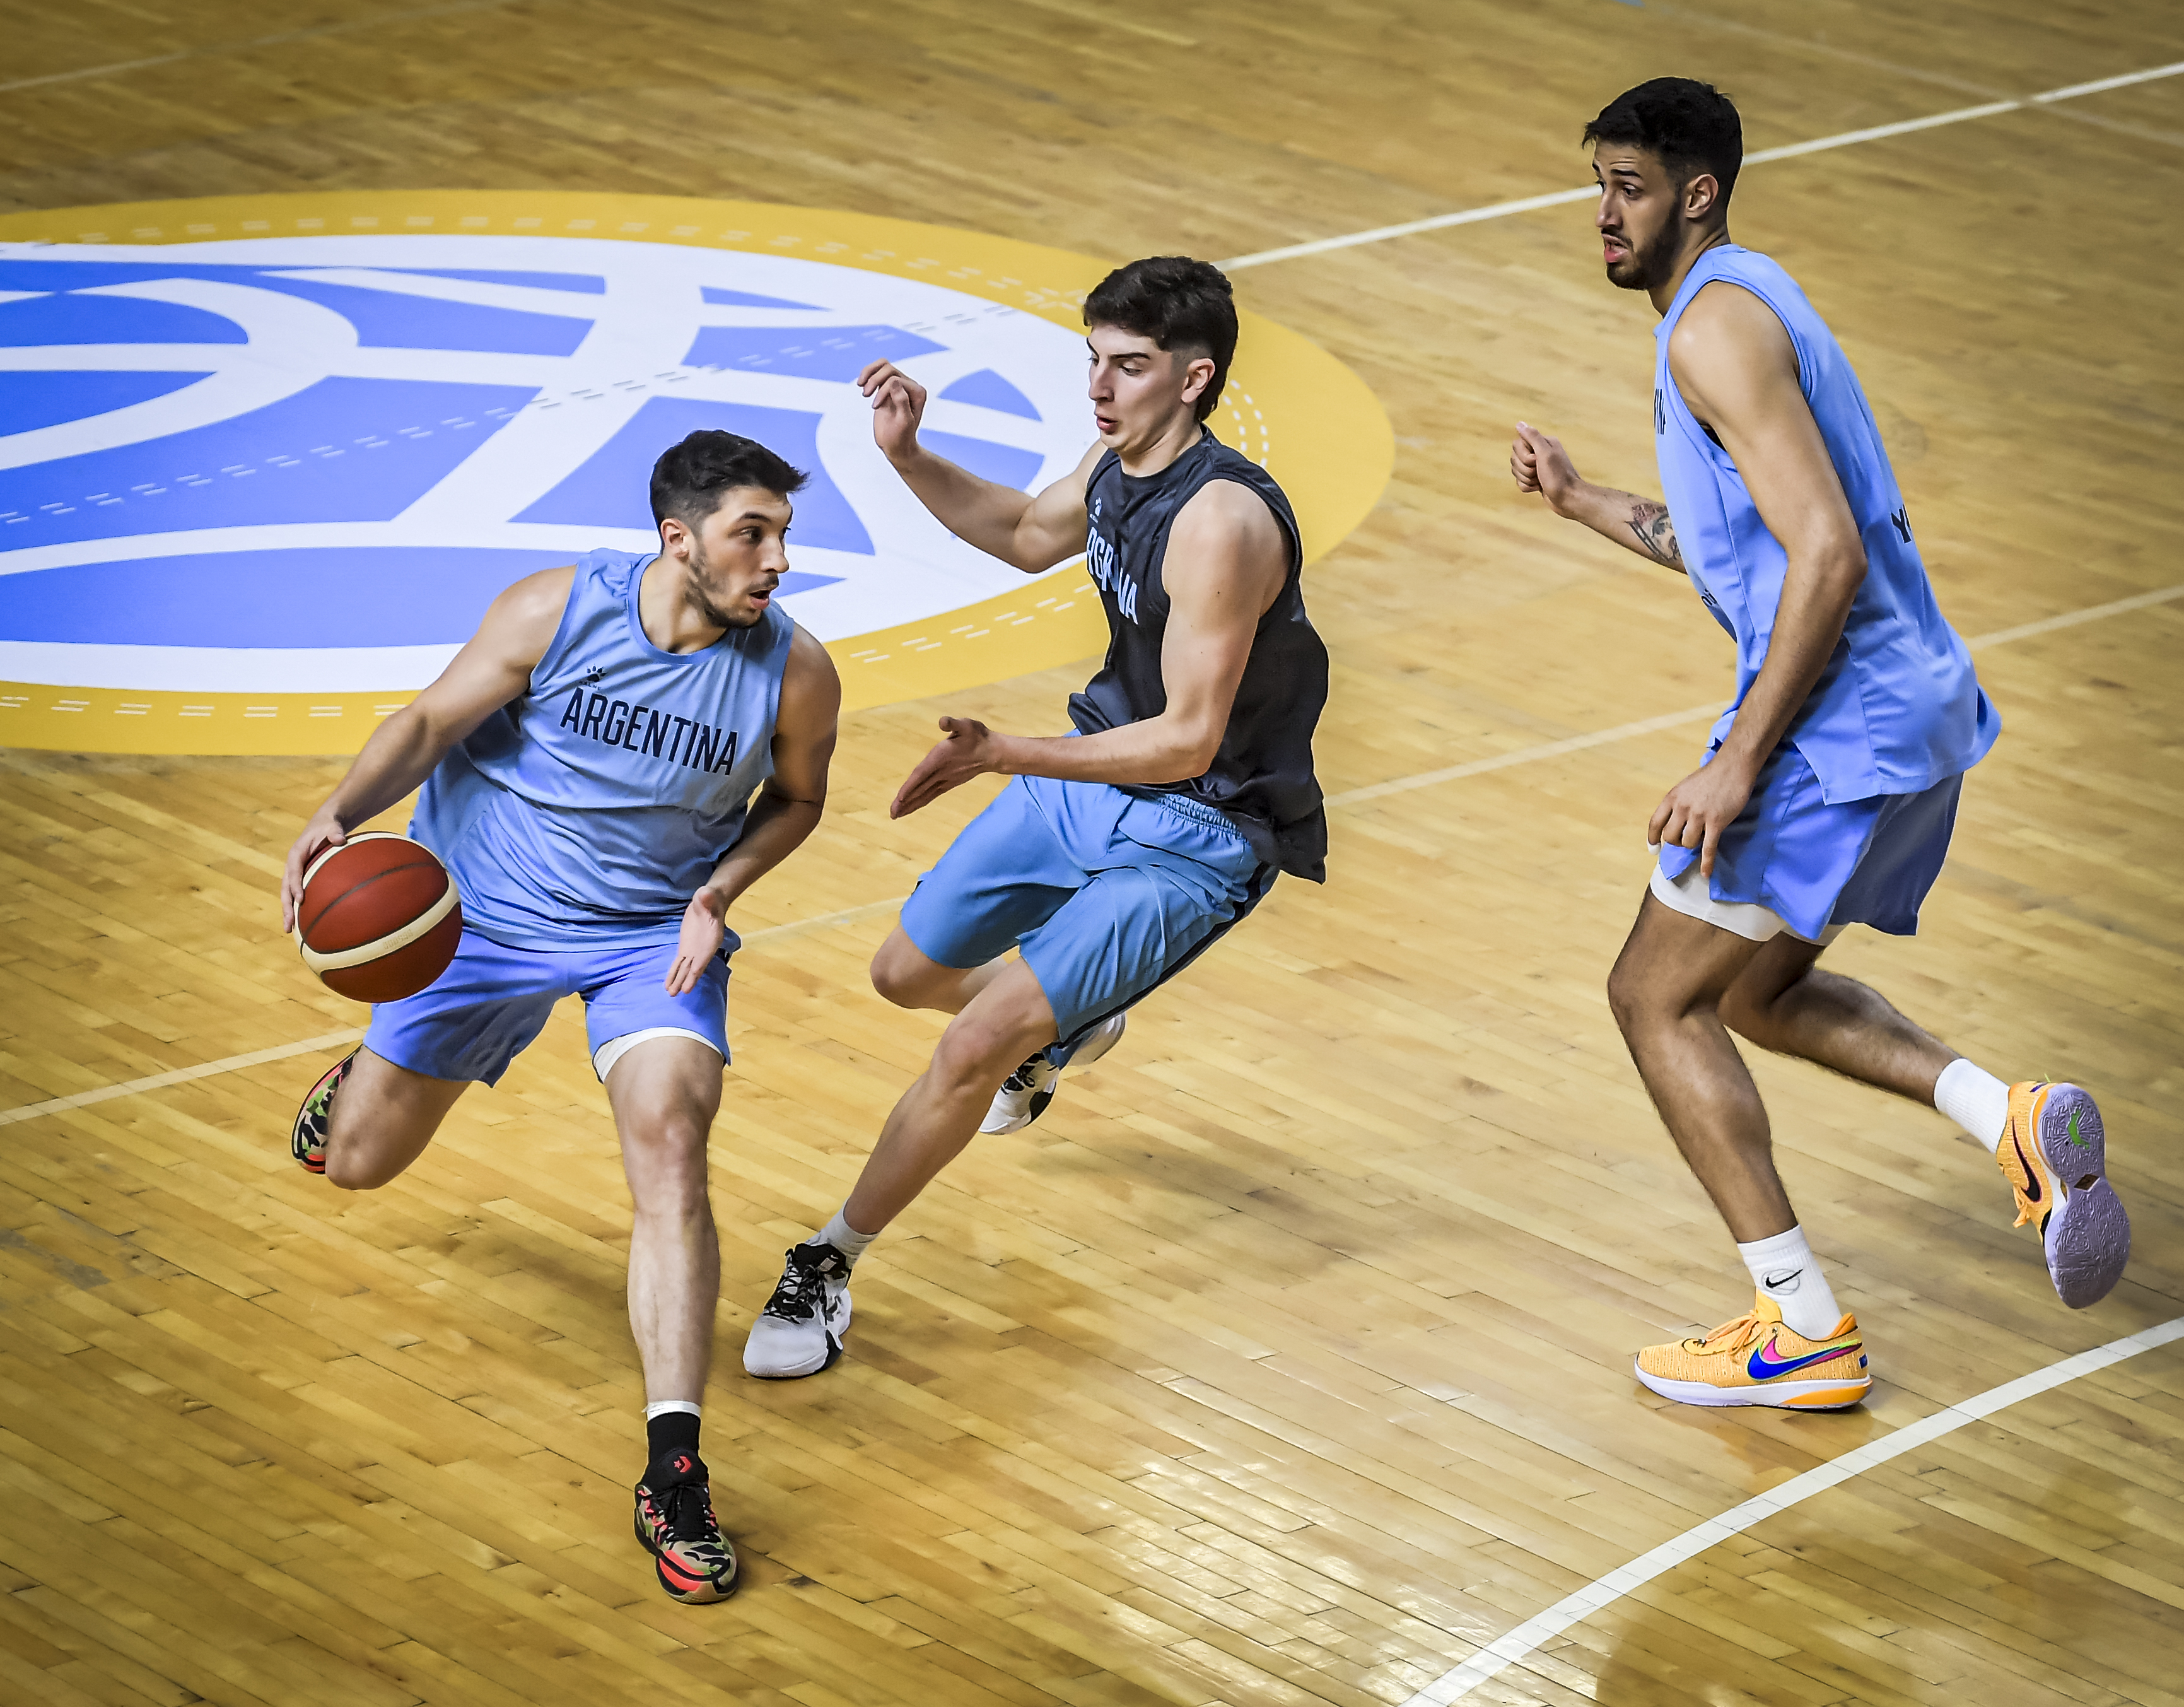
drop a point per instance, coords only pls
(1262, 779)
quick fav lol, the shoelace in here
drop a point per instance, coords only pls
(1731, 1336)
(688, 1513)
(1025, 1077)
(802, 1291)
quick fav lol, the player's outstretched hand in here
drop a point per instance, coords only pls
(898, 406)
(966, 751)
(1695, 812)
(705, 927)
(324, 831)
(1541, 465)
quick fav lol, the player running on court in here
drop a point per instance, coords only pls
(1120, 854)
(1829, 787)
(587, 763)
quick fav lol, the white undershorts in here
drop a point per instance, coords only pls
(1690, 895)
(605, 1056)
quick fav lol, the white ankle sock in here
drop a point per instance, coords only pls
(1785, 1268)
(663, 1406)
(850, 1243)
(1975, 1100)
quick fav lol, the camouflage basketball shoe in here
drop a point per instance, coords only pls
(696, 1563)
(307, 1142)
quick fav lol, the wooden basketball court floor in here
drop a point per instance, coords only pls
(1287, 1360)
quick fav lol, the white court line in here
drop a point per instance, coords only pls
(2071, 619)
(1873, 133)
(1506, 1650)
(1399, 785)
(219, 47)
(180, 1075)
(1525, 756)
(1669, 719)
(257, 1058)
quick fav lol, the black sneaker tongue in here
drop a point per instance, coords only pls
(679, 1466)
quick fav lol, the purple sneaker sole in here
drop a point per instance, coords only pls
(2087, 1235)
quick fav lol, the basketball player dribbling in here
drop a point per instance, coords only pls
(1119, 854)
(588, 761)
(1830, 788)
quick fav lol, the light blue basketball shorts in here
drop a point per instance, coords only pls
(1107, 894)
(492, 1001)
(1793, 861)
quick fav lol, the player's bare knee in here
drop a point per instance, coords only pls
(1627, 995)
(980, 1048)
(1643, 997)
(354, 1167)
(895, 979)
(673, 1138)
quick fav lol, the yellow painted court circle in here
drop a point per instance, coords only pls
(66, 683)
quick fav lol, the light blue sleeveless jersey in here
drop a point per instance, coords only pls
(1897, 709)
(587, 811)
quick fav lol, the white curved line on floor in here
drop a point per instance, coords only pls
(1507, 1650)
(1843, 139)
(851, 915)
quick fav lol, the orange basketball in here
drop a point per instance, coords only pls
(379, 917)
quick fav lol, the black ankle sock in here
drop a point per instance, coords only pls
(669, 1433)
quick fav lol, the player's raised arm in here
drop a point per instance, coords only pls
(786, 811)
(1541, 465)
(1226, 562)
(492, 669)
(1029, 531)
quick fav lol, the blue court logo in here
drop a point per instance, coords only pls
(307, 463)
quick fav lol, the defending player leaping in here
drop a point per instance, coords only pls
(1118, 855)
(588, 761)
(1830, 788)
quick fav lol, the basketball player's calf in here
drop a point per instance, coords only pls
(1004, 1016)
(1678, 989)
(902, 972)
(665, 1092)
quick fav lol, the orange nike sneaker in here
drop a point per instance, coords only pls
(2055, 1154)
(1758, 1359)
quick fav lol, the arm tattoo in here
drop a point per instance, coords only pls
(1657, 533)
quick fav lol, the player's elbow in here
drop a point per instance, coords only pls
(1835, 567)
(1033, 551)
(1191, 754)
(1845, 562)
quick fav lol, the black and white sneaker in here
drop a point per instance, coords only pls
(1025, 1093)
(800, 1331)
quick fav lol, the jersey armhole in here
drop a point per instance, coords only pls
(1291, 531)
(554, 646)
(1796, 346)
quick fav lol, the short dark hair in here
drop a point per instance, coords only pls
(1691, 126)
(690, 478)
(1177, 303)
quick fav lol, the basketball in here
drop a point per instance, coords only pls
(379, 917)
